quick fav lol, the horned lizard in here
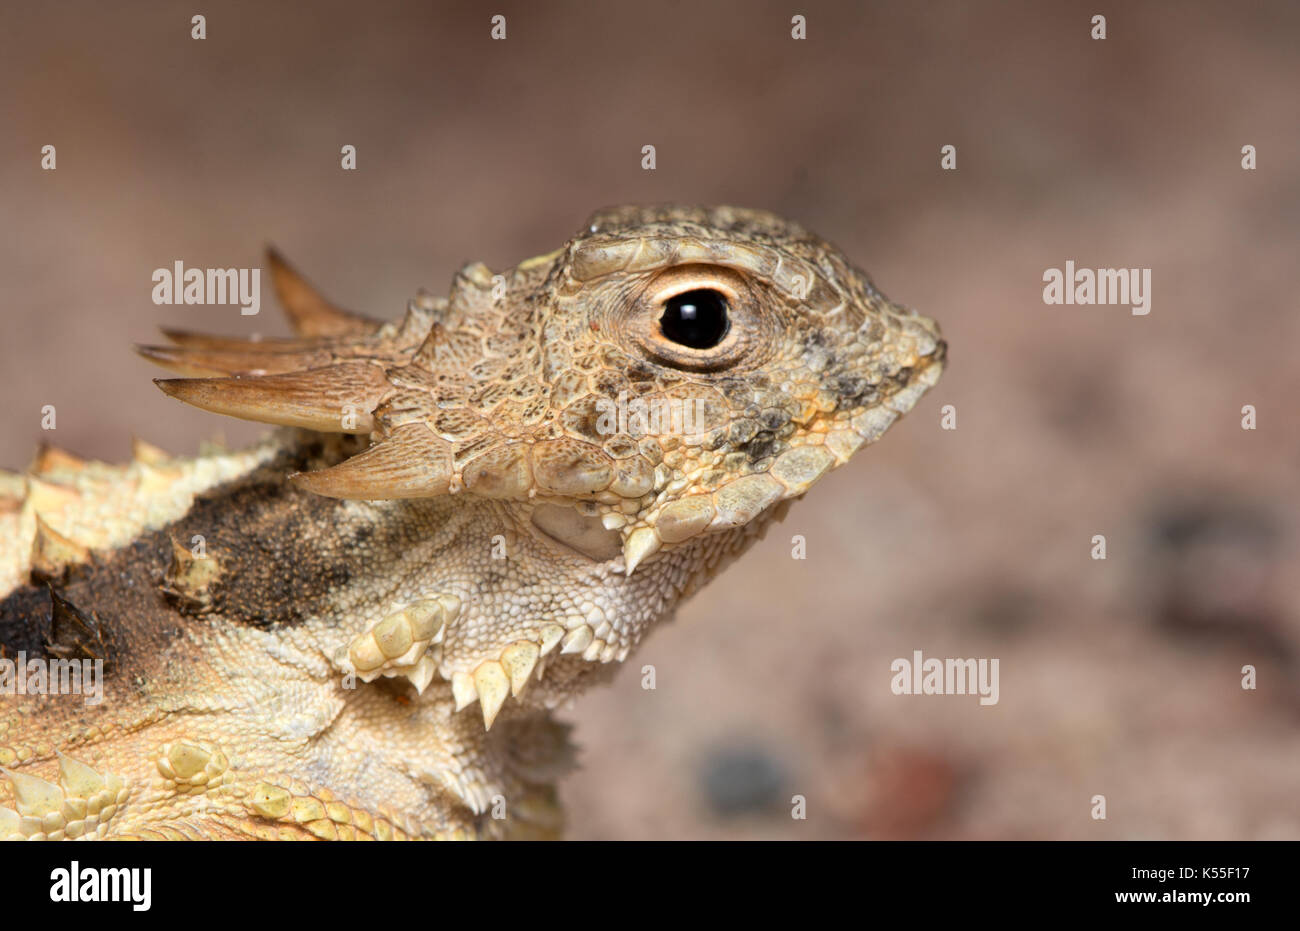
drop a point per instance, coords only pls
(361, 626)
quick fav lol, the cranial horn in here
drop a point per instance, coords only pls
(335, 399)
(207, 341)
(411, 462)
(309, 313)
(252, 359)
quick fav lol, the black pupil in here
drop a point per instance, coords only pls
(697, 319)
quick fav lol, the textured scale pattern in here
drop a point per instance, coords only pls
(467, 516)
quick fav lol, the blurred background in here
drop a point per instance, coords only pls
(1119, 678)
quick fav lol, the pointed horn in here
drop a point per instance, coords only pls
(52, 459)
(336, 399)
(73, 632)
(146, 452)
(309, 313)
(190, 339)
(13, 488)
(412, 462)
(433, 350)
(52, 552)
(254, 360)
(45, 496)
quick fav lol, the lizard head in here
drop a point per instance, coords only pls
(703, 364)
(643, 401)
(671, 372)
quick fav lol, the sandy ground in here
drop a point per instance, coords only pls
(1119, 677)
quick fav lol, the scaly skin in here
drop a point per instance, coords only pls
(318, 637)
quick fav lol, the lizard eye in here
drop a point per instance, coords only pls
(695, 319)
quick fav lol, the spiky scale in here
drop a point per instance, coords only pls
(74, 634)
(50, 458)
(34, 797)
(519, 659)
(493, 686)
(52, 552)
(147, 453)
(78, 779)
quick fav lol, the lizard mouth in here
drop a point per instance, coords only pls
(925, 375)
